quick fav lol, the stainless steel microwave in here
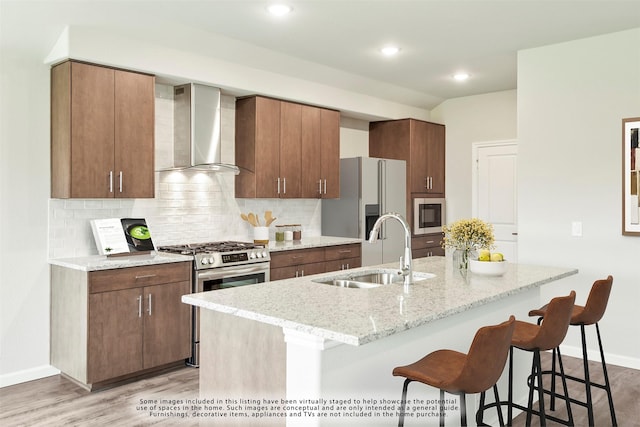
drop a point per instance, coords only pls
(428, 215)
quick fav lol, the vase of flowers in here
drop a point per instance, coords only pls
(465, 237)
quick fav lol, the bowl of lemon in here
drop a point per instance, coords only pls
(488, 264)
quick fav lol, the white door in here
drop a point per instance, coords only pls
(495, 192)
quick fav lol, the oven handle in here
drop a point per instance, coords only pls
(219, 273)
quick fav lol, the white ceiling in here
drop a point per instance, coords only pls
(336, 42)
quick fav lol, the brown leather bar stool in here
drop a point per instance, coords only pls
(458, 373)
(589, 314)
(536, 338)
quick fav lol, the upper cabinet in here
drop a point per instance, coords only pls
(102, 132)
(286, 150)
(421, 144)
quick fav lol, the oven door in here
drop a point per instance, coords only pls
(229, 277)
(428, 215)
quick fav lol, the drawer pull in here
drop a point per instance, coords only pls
(139, 306)
(146, 276)
(149, 304)
(345, 251)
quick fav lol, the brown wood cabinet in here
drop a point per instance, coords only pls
(422, 145)
(305, 262)
(110, 324)
(286, 150)
(427, 245)
(102, 132)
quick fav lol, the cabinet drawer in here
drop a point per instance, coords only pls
(426, 241)
(134, 277)
(343, 264)
(342, 252)
(296, 257)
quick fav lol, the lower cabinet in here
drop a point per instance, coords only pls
(305, 262)
(111, 324)
(427, 245)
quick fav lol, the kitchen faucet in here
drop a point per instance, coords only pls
(405, 261)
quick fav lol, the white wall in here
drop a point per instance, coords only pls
(571, 100)
(479, 118)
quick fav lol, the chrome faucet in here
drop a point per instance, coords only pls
(405, 260)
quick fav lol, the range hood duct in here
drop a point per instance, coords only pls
(196, 127)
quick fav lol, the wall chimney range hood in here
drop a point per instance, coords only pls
(196, 128)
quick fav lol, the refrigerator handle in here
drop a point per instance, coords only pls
(382, 196)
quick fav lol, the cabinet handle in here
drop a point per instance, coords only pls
(149, 304)
(348, 266)
(278, 185)
(302, 273)
(344, 251)
(429, 241)
(121, 181)
(426, 182)
(320, 186)
(325, 186)
(110, 181)
(284, 185)
(146, 276)
(139, 306)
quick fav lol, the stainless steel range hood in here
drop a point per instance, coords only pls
(196, 129)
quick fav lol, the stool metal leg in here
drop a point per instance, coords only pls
(607, 385)
(510, 389)
(565, 389)
(587, 381)
(463, 410)
(441, 408)
(403, 403)
(538, 367)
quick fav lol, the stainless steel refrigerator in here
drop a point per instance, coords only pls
(369, 187)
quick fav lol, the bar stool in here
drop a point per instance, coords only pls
(458, 373)
(581, 316)
(536, 338)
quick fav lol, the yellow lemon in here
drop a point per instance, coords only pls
(485, 255)
(497, 256)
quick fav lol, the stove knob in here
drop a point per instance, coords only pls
(252, 255)
(264, 254)
(204, 261)
(211, 260)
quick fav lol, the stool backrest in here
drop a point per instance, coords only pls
(555, 323)
(486, 358)
(596, 303)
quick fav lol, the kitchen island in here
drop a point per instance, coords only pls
(323, 355)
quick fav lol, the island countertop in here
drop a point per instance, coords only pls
(358, 316)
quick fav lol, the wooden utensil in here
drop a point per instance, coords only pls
(244, 217)
(268, 218)
(252, 219)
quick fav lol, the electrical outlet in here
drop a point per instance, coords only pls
(576, 228)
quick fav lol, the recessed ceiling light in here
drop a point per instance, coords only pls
(462, 76)
(279, 9)
(390, 50)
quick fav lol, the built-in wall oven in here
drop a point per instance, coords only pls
(428, 215)
(221, 265)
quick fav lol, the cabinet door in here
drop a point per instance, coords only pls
(436, 158)
(115, 334)
(419, 147)
(342, 264)
(311, 148)
(257, 147)
(134, 135)
(330, 154)
(92, 132)
(167, 324)
(290, 150)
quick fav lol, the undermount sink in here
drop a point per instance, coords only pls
(370, 278)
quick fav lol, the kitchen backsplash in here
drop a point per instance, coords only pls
(190, 206)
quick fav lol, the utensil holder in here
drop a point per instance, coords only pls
(261, 235)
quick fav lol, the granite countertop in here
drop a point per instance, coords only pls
(358, 316)
(311, 242)
(102, 262)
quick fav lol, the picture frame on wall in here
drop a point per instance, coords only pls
(630, 177)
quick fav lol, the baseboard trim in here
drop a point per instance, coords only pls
(594, 355)
(27, 375)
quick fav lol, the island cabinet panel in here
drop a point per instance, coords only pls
(427, 245)
(135, 321)
(102, 132)
(422, 145)
(305, 262)
(286, 149)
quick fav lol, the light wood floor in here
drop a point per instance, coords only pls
(56, 401)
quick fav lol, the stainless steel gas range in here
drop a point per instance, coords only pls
(220, 265)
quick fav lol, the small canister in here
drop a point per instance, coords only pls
(280, 233)
(288, 233)
(297, 232)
